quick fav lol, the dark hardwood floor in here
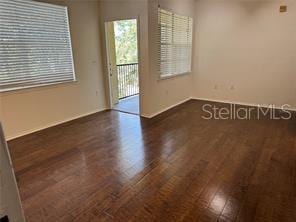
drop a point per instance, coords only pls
(114, 166)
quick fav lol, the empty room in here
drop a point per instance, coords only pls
(147, 110)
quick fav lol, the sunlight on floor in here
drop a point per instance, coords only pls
(128, 105)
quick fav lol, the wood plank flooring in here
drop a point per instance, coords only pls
(114, 166)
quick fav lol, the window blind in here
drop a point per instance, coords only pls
(35, 45)
(175, 43)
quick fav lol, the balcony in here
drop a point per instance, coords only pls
(128, 88)
(128, 80)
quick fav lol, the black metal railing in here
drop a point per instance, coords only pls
(128, 80)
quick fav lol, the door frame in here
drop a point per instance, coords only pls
(110, 57)
(109, 81)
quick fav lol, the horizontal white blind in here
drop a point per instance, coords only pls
(35, 45)
(175, 43)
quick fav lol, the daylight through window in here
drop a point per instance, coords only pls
(175, 43)
(35, 45)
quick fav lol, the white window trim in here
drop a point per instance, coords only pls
(164, 77)
(73, 80)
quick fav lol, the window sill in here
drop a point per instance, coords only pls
(173, 76)
(35, 87)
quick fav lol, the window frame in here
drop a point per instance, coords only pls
(71, 57)
(159, 43)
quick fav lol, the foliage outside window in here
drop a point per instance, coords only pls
(126, 41)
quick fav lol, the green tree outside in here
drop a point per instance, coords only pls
(126, 46)
(126, 41)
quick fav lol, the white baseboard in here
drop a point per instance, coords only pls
(240, 103)
(8, 138)
(26, 132)
(165, 109)
(143, 115)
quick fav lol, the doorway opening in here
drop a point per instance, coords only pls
(123, 65)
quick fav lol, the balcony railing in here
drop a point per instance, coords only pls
(128, 80)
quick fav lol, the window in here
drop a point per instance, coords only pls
(175, 43)
(35, 45)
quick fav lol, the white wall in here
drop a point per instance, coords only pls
(25, 111)
(168, 92)
(248, 46)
